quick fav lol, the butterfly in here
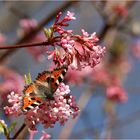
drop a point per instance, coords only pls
(42, 88)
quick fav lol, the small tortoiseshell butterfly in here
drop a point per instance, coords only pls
(42, 88)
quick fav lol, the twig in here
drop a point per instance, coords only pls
(19, 131)
(24, 45)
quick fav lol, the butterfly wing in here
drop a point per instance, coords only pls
(44, 87)
(57, 76)
(30, 100)
(43, 84)
(30, 103)
(47, 82)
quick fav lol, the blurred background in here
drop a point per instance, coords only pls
(106, 110)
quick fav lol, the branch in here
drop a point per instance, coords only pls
(19, 131)
(33, 32)
(24, 45)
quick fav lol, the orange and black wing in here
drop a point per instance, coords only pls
(57, 76)
(44, 86)
(30, 100)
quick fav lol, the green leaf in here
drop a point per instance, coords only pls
(12, 126)
(48, 32)
(28, 79)
(3, 129)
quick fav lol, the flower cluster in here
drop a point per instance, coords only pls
(78, 51)
(60, 109)
(14, 100)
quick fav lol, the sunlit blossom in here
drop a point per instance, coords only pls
(45, 136)
(79, 51)
(32, 133)
(70, 15)
(60, 109)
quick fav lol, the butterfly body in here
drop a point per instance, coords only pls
(42, 88)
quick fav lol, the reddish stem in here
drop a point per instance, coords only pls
(25, 45)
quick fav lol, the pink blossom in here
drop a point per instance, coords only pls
(79, 51)
(15, 99)
(45, 136)
(58, 110)
(84, 52)
(70, 16)
(116, 93)
(85, 34)
(91, 37)
(32, 133)
(65, 20)
(55, 55)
